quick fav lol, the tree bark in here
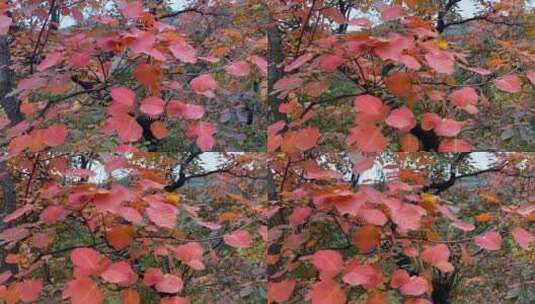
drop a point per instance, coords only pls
(275, 73)
(9, 104)
(7, 206)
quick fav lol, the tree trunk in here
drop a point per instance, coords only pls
(275, 59)
(7, 206)
(9, 104)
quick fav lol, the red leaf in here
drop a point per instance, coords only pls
(368, 138)
(363, 165)
(204, 132)
(51, 60)
(299, 61)
(162, 214)
(299, 215)
(491, 240)
(399, 278)
(30, 290)
(238, 239)
(183, 52)
(190, 254)
(152, 276)
(55, 135)
(448, 127)
(260, 62)
(415, 286)
(373, 216)
(370, 108)
(330, 62)
(509, 83)
(5, 23)
(18, 213)
(401, 118)
(152, 106)
(430, 121)
(130, 296)
(327, 291)
(369, 276)
(531, 76)
(238, 68)
(392, 13)
(307, 138)
(177, 108)
(441, 61)
(455, 145)
(132, 10)
(464, 226)
(328, 262)
(280, 292)
(523, 237)
(204, 85)
(120, 273)
(127, 127)
(79, 59)
(174, 300)
(463, 97)
(169, 283)
(86, 261)
(438, 256)
(123, 97)
(158, 129)
(83, 291)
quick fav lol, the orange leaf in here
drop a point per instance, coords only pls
(367, 238)
(120, 236)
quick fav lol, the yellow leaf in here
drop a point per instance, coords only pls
(172, 198)
(442, 43)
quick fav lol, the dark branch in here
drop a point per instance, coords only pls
(187, 10)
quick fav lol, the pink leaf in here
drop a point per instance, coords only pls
(299, 61)
(83, 291)
(86, 261)
(204, 85)
(363, 165)
(370, 108)
(438, 256)
(204, 132)
(152, 106)
(299, 215)
(523, 237)
(373, 216)
(391, 13)
(238, 68)
(463, 97)
(51, 60)
(327, 291)
(328, 262)
(174, 300)
(152, 276)
(509, 83)
(280, 291)
(531, 76)
(132, 10)
(415, 286)
(440, 61)
(401, 118)
(464, 226)
(183, 52)
(369, 276)
(18, 213)
(491, 240)
(5, 23)
(162, 214)
(191, 254)
(260, 62)
(55, 135)
(448, 127)
(368, 138)
(177, 108)
(238, 239)
(169, 283)
(52, 214)
(307, 138)
(455, 145)
(330, 62)
(124, 97)
(399, 278)
(31, 289)
(120, 273)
